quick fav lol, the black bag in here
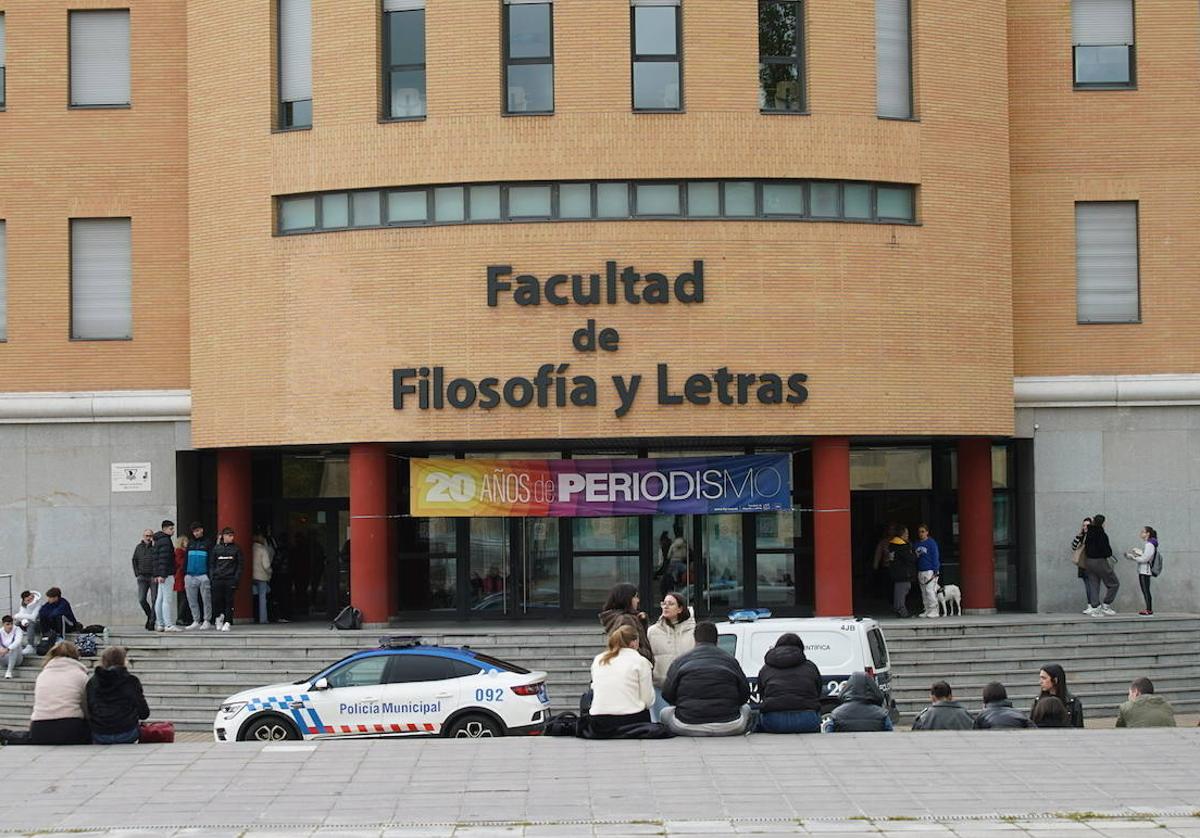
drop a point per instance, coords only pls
(563, 724)
(348, 619)
(45, 643)
(93, 629)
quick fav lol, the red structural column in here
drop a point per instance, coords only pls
(978, 561)
(369, 531)
(235, 509)
(831, 526)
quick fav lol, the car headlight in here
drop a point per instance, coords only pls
(233, 707)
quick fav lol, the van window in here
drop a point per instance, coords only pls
(728, 643)
(878, 648)
(831, 651)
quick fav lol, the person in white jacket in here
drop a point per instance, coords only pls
(11, 638)
(26, 618)
(670, 637)
(1144, 556)
(622, 686)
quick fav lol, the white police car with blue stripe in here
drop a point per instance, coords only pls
(403, 688)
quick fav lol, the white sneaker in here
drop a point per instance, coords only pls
(1093, 612)
(172, 628)
(205, 626)
(7, 674)
(192, 627)
(29, 650)
(158, 628)
(1107, 610)
(225, 626)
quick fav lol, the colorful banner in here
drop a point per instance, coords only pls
(599, 488)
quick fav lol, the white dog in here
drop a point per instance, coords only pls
(948, 596)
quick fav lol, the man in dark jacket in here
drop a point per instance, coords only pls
(707, 689)
(863, 708)
(998, 712)
(943, 712)
(164, 578)
(56, 614)
(143, 572)
(115, 701)
(225, 570)
(789, 689)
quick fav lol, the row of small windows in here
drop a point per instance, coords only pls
(815, 200)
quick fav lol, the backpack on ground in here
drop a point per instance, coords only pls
(87, 644)
(46, 643)
(348, 619)
(1156, 562)
(563, 724)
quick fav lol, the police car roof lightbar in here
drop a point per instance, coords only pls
(748, 615)
(400, 641)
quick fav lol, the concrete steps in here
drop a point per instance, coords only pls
(187, 674)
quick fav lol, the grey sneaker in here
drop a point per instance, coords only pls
(1107, 610)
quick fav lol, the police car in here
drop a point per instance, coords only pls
(403, 688)
(839, 646)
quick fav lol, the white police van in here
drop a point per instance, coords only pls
(403, 688)
(839, 646)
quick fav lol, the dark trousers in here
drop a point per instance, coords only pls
(613, 727)
(1100, 571)
(60, 732)
(183, 609)
(222, 591)
(147, 586)
(1144, 581)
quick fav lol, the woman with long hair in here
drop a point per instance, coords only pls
(1144, 556)
(1053, 682)
(670, 637)
(622, 608)
(622, 686)
(59, 695)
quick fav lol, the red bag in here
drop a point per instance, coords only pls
(153, 732)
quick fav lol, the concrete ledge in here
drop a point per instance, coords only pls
(1167, 390)
(100, 406)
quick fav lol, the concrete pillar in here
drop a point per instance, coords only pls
(369, 531)
(831, 527)
(235, 509)
(975, 514)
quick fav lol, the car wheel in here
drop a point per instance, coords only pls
(475, 727)
(269, 729)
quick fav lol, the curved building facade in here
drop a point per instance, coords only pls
(860, 238)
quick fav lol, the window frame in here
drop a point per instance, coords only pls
(799, 60)
(1131, 57)
(1137, 252)
(507, 61)
(675, 58)
(285, 109)
(387, 69)
(71, 105)
(71, 336)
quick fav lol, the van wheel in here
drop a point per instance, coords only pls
(475, 727)
(269, 729)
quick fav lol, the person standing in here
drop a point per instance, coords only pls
(1079, 558)
(622, 686)
(1098, 551)
(789, 689)
(143, 572)
(1144, 557)
(943, 712)
(196, 583)
(115, 701)
(902, 564)
(225, 569)
(929, 568)
(260, 555)
(59, 698)
(621, 609)
(11, 645)
(281, 580)
(164, 578)
(670, 637)
(1052, 681)
(183, 611)
(1144, 708)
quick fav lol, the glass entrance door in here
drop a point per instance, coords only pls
(513, 567)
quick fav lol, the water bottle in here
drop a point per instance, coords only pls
(105, 635)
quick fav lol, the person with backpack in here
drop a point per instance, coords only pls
(115, 701)
(1097, 551)
(1052, 681)
(225, 570)
(1149, 565)
(59, 699)
(670, 637)
(196, 582)
(164, 578)
(622, 686)
(789, 689)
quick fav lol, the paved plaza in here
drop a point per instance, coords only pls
(1103, 782)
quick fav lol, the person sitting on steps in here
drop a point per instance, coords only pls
(707, 690)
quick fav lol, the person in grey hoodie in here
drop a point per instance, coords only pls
(998, 712)
(863, 708)
(943, 712)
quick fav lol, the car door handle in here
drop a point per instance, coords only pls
(444, 695)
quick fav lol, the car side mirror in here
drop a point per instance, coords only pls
(321, 684)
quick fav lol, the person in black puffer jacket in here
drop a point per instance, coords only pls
(789, 687)
(224, 569)
(863, 708)
(115, 701)
(707, 690)
(998, 712)
(164, 578)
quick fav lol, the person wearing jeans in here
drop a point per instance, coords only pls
(164, 574)
(261, 556)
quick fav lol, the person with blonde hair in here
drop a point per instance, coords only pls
(115, 701)
(622, 686)
(59, 716)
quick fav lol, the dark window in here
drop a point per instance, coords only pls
(727, 642)
(657, 61)
(529, 58)
(408, 669)
(488, 662)
(1103, 43)
(462, 669)
(404, 62)
(781, 55)
(879, 653)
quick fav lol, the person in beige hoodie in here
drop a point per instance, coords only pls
(261, 555)
(59, 699)
(670, 637)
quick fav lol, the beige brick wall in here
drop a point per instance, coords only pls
(57, 163)
(1098, 145)
(902, 330)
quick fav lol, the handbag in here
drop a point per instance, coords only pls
(156, 732)
(1079, 557)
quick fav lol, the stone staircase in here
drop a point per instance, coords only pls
(186, 675)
